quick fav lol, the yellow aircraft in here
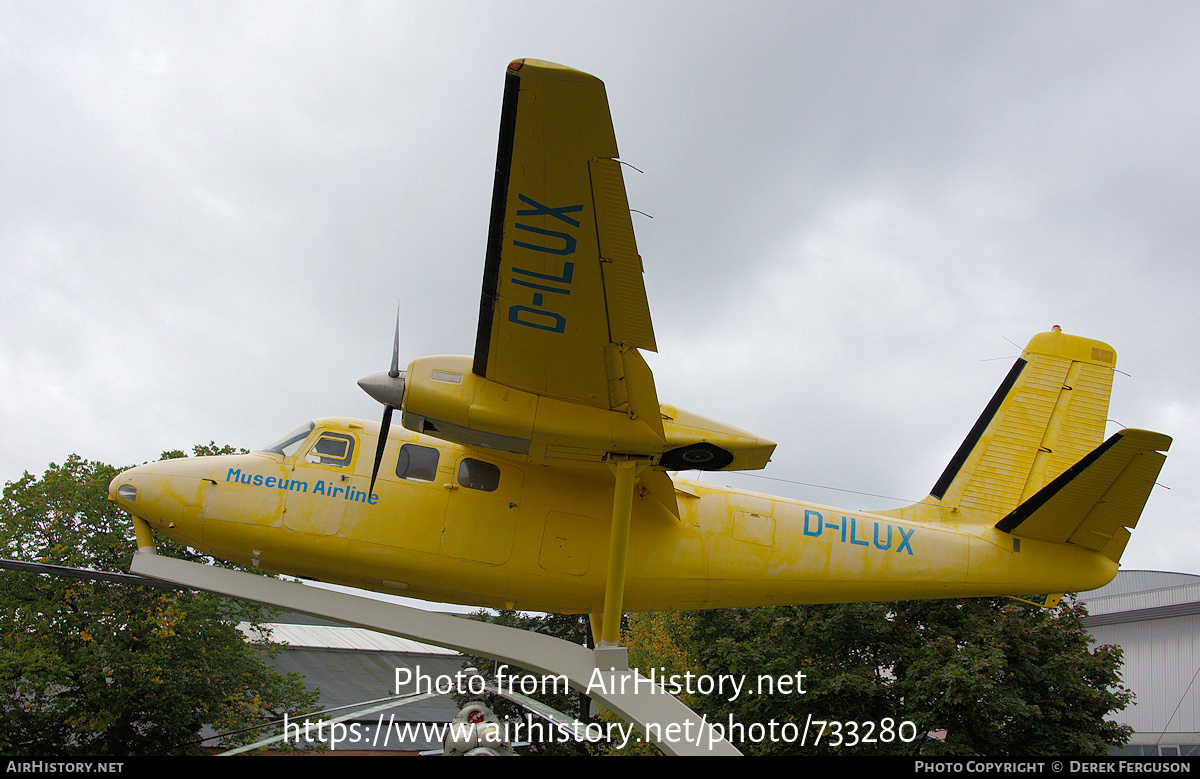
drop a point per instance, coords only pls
(538, 473)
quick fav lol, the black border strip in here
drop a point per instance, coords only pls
(985, 419)
(1023, 512)
(491, 265)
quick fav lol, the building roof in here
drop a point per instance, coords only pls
(1141, 595)
(357, 670)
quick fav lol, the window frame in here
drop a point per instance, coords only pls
(344, 461)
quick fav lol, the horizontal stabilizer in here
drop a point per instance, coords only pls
(1094, 501)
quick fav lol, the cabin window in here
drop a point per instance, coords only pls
(478, 475)
(331, 449)
(417, 462)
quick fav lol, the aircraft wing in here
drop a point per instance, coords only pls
(557, 377)
(1094, 502)
(563, 310)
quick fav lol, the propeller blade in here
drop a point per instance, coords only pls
(395, 371)
(388, 389)
(383, 433)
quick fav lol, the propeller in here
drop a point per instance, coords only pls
(388, 388)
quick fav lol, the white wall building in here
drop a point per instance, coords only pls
(1155, 617)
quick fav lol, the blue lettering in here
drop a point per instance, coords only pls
(559, 322)
(544, 283)
(568, 241)
(567, 274)
(852, 528)
(541, 210)
(889, 541)
(850, 532)
(320, 488)
(820, 523)
(258, 480)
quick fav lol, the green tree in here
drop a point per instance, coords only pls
(977, 676)
(98, 668)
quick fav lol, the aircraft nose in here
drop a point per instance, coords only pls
(123, 489)
(165, 494)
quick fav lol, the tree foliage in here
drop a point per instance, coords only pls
(96, 668)
(977, 676)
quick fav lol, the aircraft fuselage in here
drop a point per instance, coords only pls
(470, 526)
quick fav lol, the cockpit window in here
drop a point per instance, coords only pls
(288, 444)
(331, 449)
(417, 462)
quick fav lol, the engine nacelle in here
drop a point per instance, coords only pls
(445, 399)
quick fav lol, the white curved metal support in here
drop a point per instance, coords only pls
(603, 676)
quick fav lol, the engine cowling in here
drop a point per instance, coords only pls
(445, 399)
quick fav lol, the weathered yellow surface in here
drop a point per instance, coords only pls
(540, 540)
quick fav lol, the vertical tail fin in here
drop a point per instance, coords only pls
(1048, 414)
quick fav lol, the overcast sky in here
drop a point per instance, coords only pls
(860, 213)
